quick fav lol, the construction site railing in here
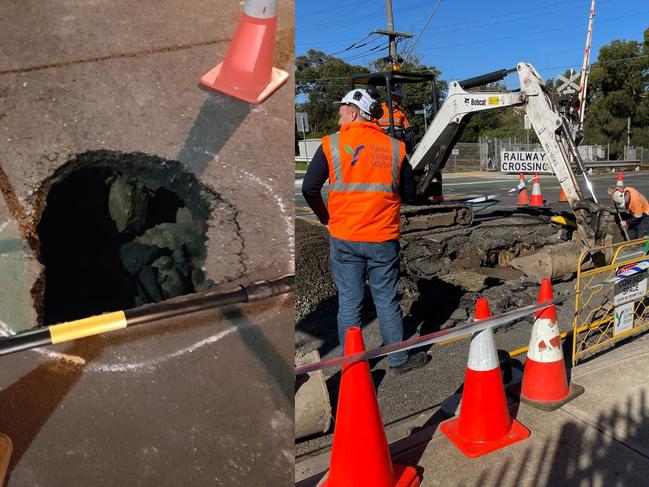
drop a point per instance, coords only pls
(609, 310)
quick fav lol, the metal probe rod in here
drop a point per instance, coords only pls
(117, 320)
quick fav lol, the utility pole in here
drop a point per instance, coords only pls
(392, 36)
(628, 135)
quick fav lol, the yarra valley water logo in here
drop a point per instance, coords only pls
(354, 153)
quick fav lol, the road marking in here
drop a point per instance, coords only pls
(480, 182)
(283, 208)
(143, 366)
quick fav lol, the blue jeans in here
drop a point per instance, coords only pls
(351, 264)
(640, 228)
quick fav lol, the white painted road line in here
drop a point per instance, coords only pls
(480, 182)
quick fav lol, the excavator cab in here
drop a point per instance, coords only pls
(387, 80)
(427, 213)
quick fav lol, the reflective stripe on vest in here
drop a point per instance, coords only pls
(398, 116)
(342, 187)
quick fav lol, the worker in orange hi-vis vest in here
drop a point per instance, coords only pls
(368, 177)
(400, 120)
(636, 205)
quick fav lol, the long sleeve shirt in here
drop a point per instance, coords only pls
(318, 172)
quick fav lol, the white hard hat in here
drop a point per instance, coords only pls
(360, 98)
(618, 197)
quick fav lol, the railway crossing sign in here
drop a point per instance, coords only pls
(570, 84)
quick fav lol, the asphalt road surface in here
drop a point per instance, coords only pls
(461, 186)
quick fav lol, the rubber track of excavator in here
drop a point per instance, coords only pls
(435, 218)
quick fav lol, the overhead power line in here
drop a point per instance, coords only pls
(377, 49)
(340, 16)
(414, 45)
(356, 45)
(548, 68)
(480, 23)
(344, 19)
(527, 34)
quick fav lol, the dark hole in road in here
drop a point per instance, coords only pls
(117, 231)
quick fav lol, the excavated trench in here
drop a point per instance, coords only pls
(116, 231)
(441, 273)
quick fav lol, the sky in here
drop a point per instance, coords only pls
(469, 38)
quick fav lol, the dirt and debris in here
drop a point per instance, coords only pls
(442, 274)
(491, 244)
(120, 230)
(313, 281)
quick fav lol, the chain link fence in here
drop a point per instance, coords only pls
(486, 154)
(637, 154)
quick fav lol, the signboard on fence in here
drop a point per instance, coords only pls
(626, 293)
(623, 319)
(630, 288)
(525, 162)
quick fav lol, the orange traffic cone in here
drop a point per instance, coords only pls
(522, 191)
(562, 195)
(545, 384)
(247, 72)
(360, 455)
(484, 424)
(620, 181)
(536, 199)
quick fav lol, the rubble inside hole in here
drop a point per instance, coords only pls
(120, 230)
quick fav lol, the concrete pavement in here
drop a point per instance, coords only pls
(601, 438)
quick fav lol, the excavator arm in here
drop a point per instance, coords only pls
(549, 123)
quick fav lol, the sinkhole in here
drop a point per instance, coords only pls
(117, 231)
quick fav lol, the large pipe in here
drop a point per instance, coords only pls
(552, 262)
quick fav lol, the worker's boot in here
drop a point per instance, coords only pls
(415, 361)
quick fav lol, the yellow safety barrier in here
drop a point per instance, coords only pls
(607, 312)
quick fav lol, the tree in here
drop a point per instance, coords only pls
(417, 96)
(322, 80)
(618, 85)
